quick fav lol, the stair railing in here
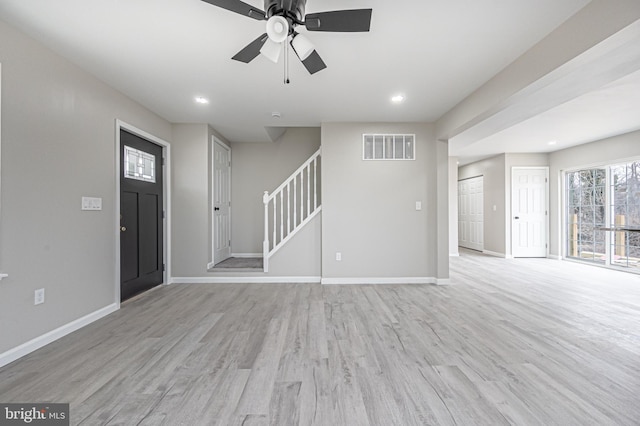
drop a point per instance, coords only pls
(291, 206)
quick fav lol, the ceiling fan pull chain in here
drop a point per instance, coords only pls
(286, 60)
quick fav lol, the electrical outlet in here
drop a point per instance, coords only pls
(38, 297)
(338, 256)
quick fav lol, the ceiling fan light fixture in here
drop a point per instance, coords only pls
(302, 46)
(271, 50)
(277, 29)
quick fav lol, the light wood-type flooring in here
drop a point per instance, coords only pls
(523, 342)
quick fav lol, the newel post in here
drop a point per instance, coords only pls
(265, 243)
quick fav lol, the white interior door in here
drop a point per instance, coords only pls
(221, 218)
(471, 213)
(529, 211)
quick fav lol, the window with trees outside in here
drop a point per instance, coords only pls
(604, 197)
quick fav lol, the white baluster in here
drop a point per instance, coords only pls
(288, 207)
(295, 207)
(301, 196)
(281, 217)
(315, 183)
(308, 189)
(265, 243)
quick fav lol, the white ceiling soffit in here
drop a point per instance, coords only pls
(164, 53)
(594, 96)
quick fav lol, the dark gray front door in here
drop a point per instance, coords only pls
(141, 222)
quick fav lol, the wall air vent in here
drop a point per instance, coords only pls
(388, 147)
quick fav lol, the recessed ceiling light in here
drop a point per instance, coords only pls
(397, 99)
(552, 143)
(202, 100)
(275, 114)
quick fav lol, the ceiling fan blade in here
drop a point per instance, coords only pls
(252, 50)
(314, 63)
(240, 7)
(357, 20)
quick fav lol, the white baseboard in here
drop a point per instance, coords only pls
(454, 254)
(495, 254)
(555, 257)
(247, 255)
(34, 344)
(443, 281)
(245, 280)
(389, 280)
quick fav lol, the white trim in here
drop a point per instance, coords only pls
(212, 189)
(389, 280)
(166, 188)
(454, 254)
(247, 255)
(40, 341)
(245, 280)
(496, 254)
(443, 281)
(555, 257)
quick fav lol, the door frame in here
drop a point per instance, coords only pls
(481, 207)
(214, 141)
(546, 207)
(166, 192)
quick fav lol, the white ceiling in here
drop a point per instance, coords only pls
(164, 53)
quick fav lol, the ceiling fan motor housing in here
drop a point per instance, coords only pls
(292, 10)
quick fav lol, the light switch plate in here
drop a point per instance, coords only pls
(91, 203)
(418, 205)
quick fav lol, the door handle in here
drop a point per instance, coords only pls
(215, 209)
(517, 217)
(123, 228)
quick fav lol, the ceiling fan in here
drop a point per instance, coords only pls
(282, 17)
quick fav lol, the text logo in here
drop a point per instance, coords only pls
(34, 414)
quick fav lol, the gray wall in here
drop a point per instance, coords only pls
(58, 144)
(301, 256)
(608, 151)
(190, 236)
(259, 167)
(369, 210)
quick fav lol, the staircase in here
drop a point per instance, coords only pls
(291, 206)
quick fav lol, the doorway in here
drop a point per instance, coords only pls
(221, 202)
(141, 226)
(529, 211)
(471, 213)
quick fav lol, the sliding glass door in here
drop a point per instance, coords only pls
(585, 214)
(604, 197)
(625, 212)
